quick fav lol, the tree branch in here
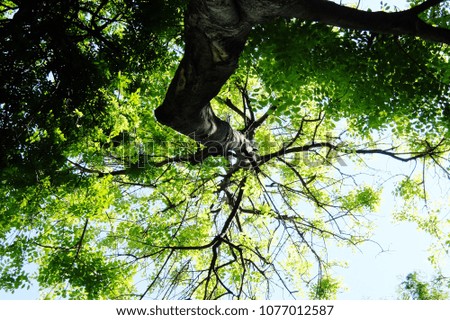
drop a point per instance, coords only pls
(215, 35)
(387, 152)
(396, 23)
(235, 208)
(256, 124)
(231, 105)
(424, 6)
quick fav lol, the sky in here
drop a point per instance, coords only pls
(377, 268)
(373, 273)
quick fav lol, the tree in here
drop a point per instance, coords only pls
(108, 202)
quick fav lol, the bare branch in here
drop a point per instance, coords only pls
(234, 211)
(252, 126)
(233, 107)
(388, 152)
(211, 269)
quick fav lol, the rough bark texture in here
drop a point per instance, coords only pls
(215, 35)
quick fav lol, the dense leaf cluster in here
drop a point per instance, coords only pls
(58, 59)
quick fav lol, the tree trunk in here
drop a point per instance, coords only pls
(215, 35)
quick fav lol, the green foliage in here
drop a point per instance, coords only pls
(326, 289)
(382, 84)
(414, 288)
(99, 201)
(58, 61)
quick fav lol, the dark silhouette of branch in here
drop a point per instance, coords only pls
(233, 107)
(80, 242)
(252, 126)
(387, 152)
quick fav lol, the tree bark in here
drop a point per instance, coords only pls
(215, 35)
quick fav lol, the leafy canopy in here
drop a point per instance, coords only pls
(103, 202)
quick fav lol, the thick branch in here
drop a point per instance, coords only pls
(398, 23)
(215, 35)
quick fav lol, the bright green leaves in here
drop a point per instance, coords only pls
(363, 199)
(410, 188)
(299, 84)
(415, 288)
(60, 228)
(16, 248)
(426, 211)
(326, 289)
(84, 274)
(387, 80)
(407, 88)
(14, 255)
